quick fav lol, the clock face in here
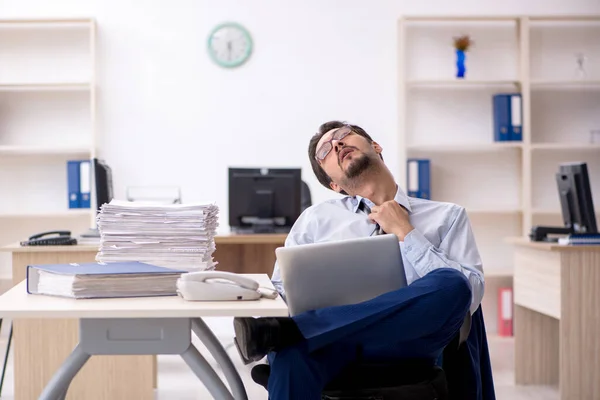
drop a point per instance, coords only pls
(229, 45)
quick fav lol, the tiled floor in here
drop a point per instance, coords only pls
(502, 354)
(177, 382)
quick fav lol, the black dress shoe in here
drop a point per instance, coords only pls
(260, 374)
(256, 337)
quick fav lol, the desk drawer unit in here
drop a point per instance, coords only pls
(537, 281)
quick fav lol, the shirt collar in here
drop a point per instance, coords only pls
(401, 198)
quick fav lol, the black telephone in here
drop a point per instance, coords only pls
(41, 239)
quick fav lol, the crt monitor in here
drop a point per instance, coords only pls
(264, 200)
(576, 200)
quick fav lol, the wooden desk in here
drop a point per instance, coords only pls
(250, 254)
(37, 353)
(146, 325)
(247, 254)
(557, 317)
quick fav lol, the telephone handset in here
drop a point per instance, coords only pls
(51, 238)
(220, 286)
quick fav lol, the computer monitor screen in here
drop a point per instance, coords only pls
(576, 200)
(103, 183)
(264, 200)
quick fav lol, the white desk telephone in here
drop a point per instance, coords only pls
(220, 286)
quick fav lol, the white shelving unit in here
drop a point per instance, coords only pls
(506, 187)
(47, 117)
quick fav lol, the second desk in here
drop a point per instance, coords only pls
(557, 318)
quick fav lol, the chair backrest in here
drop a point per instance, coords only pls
(465, 329)
(305, 197)
(468, 368)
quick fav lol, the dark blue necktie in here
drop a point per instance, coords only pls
(364, 207)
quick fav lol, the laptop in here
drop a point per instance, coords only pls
(340, 272)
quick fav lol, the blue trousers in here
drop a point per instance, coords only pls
(417, 321)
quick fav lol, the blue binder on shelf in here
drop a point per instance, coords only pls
(516, 117)
(508, 117)
(73, 184)
(84, 184)
(418, 178)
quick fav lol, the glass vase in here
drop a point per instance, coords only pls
(460, 64)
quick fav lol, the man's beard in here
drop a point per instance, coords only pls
(356, 169)
(358, 166)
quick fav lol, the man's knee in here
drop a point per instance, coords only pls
(454, 282)
(452, 279)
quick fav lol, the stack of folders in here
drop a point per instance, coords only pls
(179, 236)
(98, 280)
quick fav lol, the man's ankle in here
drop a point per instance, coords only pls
(255, 338)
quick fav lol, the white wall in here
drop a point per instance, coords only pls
(168, 115)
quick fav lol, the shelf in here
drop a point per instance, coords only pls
(45, 87)
(497, 272)
(493, 211)
(505, 187)
(83, 212)
(566, 146)
(461, 18)
(47, 150)
(458, 83)
(46, 23)
(494, 337)
(466, 148)
(566, 85)
(564, 18)
(469, 148)
(557, 211)
(546, 211)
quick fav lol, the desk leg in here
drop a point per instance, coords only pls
(57, 388)
(205, 373)
(536, 348)
(218, 352)
(580, 325)
(120, 336)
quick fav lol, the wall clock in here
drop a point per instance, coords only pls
(229, 45)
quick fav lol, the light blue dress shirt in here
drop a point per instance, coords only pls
(441, 238)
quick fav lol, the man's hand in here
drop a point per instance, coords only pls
(392, 218)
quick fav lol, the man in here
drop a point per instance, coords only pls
(442, 263)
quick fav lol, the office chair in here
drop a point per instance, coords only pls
(403, 380)
(305, 197)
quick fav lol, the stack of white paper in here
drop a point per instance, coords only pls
(179, 236)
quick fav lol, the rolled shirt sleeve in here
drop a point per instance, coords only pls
(457, 250)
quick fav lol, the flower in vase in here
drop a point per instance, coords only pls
(461, 44)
